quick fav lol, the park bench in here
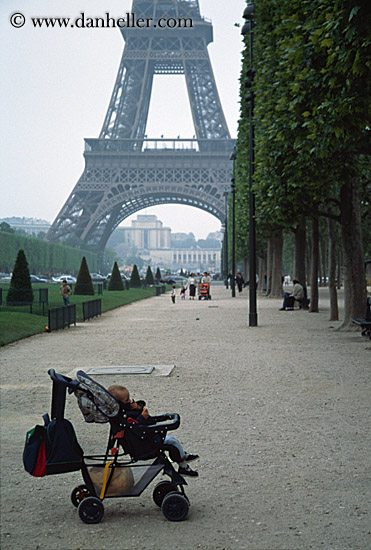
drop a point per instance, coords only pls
(365, 323)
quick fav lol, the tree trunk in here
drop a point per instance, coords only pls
(308, 260)
(300, 246)
(262, 271)
(324, 269)
(354, 269)
(277, 245)
(319, 274)
(340, 263)
(334, 310)
(269, 265)
(314, 269)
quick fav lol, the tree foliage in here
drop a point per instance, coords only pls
(20, 289)
(311, 86)
(43, 257)
(6, 228)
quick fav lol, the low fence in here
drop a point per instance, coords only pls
(91, 309)
(61, 317)
(43, 298)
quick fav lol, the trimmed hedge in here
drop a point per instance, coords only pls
(20, 289)
(84, 284)
(135, 281)
(43, 257)
(115, 282)
(149, 276)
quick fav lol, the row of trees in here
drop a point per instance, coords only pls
(43, 257)
(311, 90)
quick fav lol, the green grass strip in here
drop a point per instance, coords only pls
(17, 325)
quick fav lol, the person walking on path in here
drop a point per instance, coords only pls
(192, 286)
(240, 282)
(198, 280)
(173, 294)
(65, 292)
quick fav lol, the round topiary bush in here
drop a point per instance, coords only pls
(115, 282)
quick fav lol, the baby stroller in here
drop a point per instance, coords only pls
(204, 291)
(108, 475)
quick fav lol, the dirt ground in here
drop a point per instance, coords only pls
(280, 415)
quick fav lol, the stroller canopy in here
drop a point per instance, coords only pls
(95, 402)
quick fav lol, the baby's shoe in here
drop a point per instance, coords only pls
(187, 471)
(188, 457)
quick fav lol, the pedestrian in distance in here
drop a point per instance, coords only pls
(198, 280)
(192, 286)
(240, 282)
(182, 293)
(65, 292)
(173, 294)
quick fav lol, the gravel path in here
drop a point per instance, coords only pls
(280, 415)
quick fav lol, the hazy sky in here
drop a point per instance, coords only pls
(55, 91)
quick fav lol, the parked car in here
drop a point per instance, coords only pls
(123, 276)
(69, 279)
(36, 279)
(97, 277)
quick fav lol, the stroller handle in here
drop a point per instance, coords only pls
(63, 380)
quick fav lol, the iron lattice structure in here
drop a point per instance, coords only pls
(125, 172)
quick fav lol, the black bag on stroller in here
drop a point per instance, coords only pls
(63, 453)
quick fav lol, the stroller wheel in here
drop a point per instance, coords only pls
(161, 490)
(175, 506)
(78, 494)
(91, 510)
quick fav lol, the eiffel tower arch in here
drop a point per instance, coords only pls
(126, 172)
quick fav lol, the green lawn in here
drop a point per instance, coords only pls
(17, 323)
(15, 326)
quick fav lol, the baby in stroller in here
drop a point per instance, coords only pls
(140, 415)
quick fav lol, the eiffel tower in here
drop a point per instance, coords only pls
(124, 170)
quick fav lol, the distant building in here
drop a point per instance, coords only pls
(217, 235)
(32, 226)
(147, 232)
(158, 246)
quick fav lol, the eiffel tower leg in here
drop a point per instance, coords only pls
(128, 109)
(206, 108)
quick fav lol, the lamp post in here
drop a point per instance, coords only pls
(225, 241)
(233, 188)
(247, 29)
